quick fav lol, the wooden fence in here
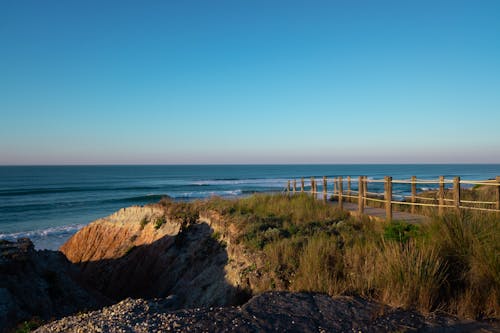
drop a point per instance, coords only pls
(362, 196)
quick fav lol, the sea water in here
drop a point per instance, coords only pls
(50, 203)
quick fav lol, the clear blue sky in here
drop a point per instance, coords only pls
(93, 82)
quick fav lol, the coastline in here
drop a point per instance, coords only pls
(48, 204)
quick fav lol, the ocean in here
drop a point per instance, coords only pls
(50, 203)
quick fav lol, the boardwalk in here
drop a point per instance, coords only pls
(446, 195)
(379, 213)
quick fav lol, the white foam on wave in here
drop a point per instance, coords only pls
(255, 182)
(206, 194)
(44, 235)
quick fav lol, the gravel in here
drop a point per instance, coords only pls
(268, 312)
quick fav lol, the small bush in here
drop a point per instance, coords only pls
(400, 231)
(160, 221)
(412, 276)
(321, 266)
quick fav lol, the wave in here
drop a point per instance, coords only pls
(140, 198)
(205, 194)
(47, 232)
(61, 190)
(277, 182)
(137, 199)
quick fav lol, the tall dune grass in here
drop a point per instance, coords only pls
(451, 263)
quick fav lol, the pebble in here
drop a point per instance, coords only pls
(266, 312)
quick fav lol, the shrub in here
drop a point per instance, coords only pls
(400, 231)
(470, 245)
(412, 275)
(159, 222)
(321, 266)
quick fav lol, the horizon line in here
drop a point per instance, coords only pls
(243, 164)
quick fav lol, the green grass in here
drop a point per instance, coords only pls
(159, 221)
(400, 231)
(264, 219)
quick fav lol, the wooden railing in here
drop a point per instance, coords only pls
(362, 196)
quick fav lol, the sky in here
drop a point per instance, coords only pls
(188, 82)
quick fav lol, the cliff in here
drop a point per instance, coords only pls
(154, 251)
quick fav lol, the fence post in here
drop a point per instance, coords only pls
(441, 196)
(498, 195)
(313, 190)
(324, 188)
(413, 194)
(294, 186)
(302, 184)
(335, 188)
(361, 201)
(349, 189)
(365, 190)
(456, 193)
(388, 198)
(288, 187)
(341, 206)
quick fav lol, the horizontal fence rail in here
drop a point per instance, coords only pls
(444, 193)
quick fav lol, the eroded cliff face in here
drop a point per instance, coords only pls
(144, 252)
(112, 236)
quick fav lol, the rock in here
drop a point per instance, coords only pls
(273, 311)
(38, 284)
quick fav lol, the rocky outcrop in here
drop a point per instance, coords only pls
(144, 252)
(39, 284)
(274, 311)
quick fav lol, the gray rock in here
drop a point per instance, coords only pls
(268, 312)
(38, 284)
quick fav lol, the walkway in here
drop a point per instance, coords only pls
(379, 213)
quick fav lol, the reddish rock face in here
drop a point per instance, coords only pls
(111, 237)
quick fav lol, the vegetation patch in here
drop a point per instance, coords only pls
(29, 325)
(159, 221)
(450, 263)
(400, 231)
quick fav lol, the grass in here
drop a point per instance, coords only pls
(400, 231)
(144, 222)
(264, 219)
(450, 264)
